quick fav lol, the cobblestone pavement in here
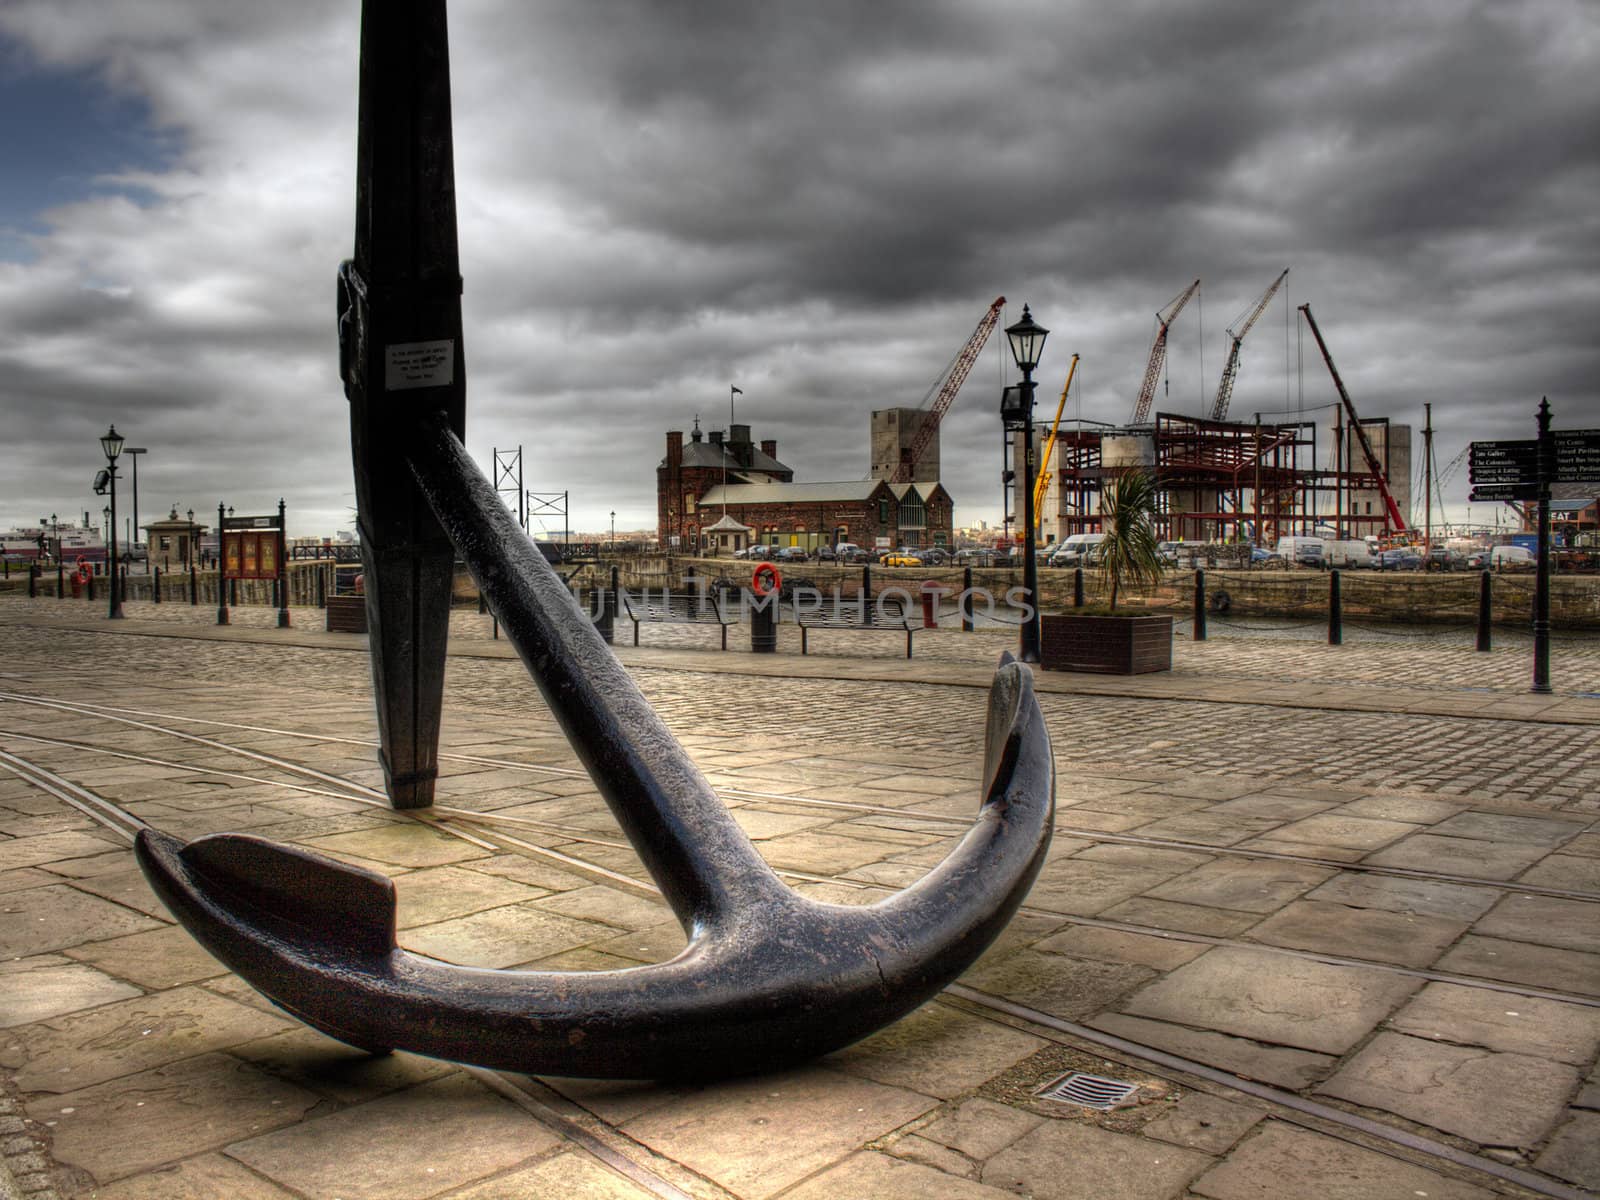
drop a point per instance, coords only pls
(1554, 766)
(1410, 935)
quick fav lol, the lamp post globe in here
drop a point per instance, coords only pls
(112, 444)
(1016, 408)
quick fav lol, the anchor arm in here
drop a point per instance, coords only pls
(698, 856)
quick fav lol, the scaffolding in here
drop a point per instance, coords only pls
(1221, 481)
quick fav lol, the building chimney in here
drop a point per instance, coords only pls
(674, 447)
(739, 443)
(769, 447)
(716, 437)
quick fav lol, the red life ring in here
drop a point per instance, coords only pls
(765, 571)
(83, 573)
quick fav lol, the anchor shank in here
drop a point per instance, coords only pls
(400, 353)
(695, 851)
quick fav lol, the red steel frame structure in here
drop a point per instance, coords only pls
(1219, 478)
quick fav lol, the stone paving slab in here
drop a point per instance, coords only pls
(1494, 1098)
(1287, 1002)
(935, 1105)
(1324, 1167)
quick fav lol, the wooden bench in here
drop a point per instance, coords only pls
(347, 614)
(891, 615)
(675, 608)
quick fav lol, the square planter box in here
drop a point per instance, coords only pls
(1105, 645)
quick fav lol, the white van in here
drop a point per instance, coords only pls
(1075, 549)
(1347, 552)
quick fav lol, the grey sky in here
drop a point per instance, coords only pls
(814, 202)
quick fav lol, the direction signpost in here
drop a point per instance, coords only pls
(1524, 470)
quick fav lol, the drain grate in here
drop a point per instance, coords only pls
(1090, 1091)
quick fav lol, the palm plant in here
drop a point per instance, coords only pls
(1128, 555)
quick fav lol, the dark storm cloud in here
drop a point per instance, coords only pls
(818, 202)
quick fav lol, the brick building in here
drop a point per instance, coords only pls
(760, 493)
(690, 470)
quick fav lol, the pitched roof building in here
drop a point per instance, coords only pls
(704, 480)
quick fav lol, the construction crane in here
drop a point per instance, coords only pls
(953, 380)
(1158, 353)
(1397, 523)
(1230, 371)
(1050, 443)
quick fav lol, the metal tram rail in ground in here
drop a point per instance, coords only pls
(115, 713)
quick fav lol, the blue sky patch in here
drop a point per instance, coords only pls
(60, 132)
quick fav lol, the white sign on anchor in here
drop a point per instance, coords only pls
(419, 365)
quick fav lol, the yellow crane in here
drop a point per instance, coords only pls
(1049, 447)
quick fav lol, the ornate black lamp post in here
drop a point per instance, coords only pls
(112, 443)
(1016, 410)
(613, 531)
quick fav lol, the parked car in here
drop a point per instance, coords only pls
(827, 554)
(1310, 556)
(1400, 559)
(1442, 558)
(790, 554)
(1504, 558)
(1260, 556)
(759, 553)
(901, 558)
(849, 552)
(933, 556)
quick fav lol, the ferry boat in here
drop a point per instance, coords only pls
(64, 543)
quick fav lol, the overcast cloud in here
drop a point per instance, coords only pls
(814, 202)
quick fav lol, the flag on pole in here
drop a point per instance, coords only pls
(738, 391)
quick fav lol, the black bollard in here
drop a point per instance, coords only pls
(764, 625)
(1077, 587)
(604, 614)
(866, 595)
(613, 598)
(1335, 611)
(194, 585)
(1199, 604)
(966, 600)
(155, 586)
(61, 586)
(90, 589)
(693, 599)
(33, 580)
(1485, 609)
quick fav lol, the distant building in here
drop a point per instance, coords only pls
(716, 493)
(868, 512)
(691, 469)
(894, 430)
(1391, 446)
(1574, 514)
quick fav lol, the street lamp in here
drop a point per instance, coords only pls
(136, 451)
(112, 444)
(613, 531)
(189, 547)
(1016, 408)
